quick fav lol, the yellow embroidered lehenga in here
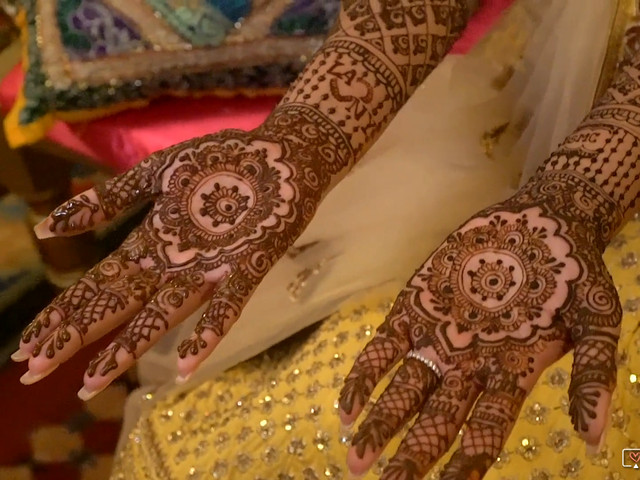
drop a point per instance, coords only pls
(274, 416)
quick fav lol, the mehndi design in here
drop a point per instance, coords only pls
(227, 206)
(507, 294)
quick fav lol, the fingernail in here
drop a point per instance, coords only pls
(42, 230)
(19, 356)
(30, 378)
(85, 394)
(182, 379)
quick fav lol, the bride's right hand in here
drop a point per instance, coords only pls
(226, 207)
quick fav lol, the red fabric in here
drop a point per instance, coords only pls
(122, 140)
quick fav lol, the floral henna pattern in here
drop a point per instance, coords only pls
(227, 206)
(503, 297)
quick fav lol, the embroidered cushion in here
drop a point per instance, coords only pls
(89, 58)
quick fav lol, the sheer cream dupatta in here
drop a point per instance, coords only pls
(460, 144)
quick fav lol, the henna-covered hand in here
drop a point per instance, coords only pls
(504, 296)
(227, 206)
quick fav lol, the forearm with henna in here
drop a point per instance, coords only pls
(379, 52)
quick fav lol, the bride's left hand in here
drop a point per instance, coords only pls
(505, 296)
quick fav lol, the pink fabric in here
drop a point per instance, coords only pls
(122, 140)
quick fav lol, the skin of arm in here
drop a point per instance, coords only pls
(227, 206)
(504, 296)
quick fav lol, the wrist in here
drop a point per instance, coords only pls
(575, 198)
(322, 145)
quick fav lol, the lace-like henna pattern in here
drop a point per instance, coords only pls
(154, 317)
(410, 385)
(74, 297)
(108, 302)
(378, 54)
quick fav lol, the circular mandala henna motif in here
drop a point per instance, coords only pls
(223, 194)
(498, 276)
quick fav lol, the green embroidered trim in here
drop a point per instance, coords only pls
(36, 93)
(199, 23)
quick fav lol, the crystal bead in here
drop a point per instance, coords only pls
(321, 440)
(558, 440)
(528, 448)
(243, 462)
(310, 474)
(536, 413)
(219, 470)
(269, 455)
(538, 474)
(571, 469)
(296, 446)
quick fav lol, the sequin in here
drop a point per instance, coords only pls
(266, 429)
(293, 376)
(222, 440)
(529, 448)
(201, 448)
(181, 455)
(173, 437)
(314, 411)
(571, 469)
(629, 260)
(313, 389)
(296, 446)
(166, 415)
(558, 378)
(340, 339)
(321, 440)
(631, 305)
(502, 459)
(243, 462)
(333, 472)
(290, 421)
(378, 467)
(266, 404)
(536, 413)
(244, 433)
(219, 470)
(337, 360)
(601, 458)
(558, 440)
(269, 455)
(538, 474)
(619, 419)
(310, 474)
(194, 474)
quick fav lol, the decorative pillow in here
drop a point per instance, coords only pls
(89, 58)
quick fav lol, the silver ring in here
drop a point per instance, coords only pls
(429, 363)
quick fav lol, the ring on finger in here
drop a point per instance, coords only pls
(428, 362)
